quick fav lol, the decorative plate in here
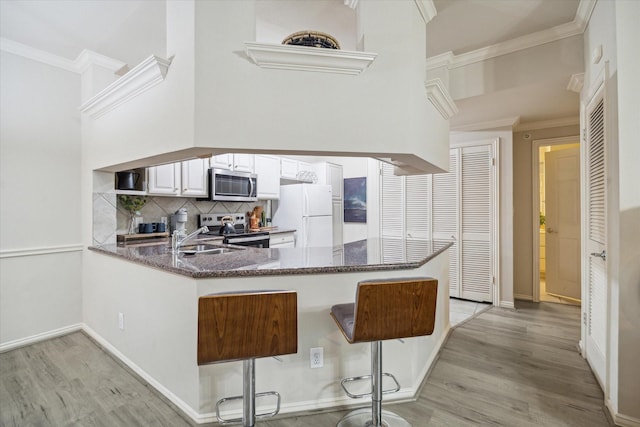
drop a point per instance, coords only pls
(313, 39)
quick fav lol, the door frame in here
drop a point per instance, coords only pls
(535, 179)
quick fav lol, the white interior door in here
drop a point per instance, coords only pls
(478, 210)
(562, 211)
(596, 237)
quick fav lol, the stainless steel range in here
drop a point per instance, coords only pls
(233, 227)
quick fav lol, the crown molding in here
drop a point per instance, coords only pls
(507, 122)
(304, 58)
(547, 124)
(576, 82)
(10, 46)
(439, 96)
(88, 58)
(559, 32)
(427, 9)
(141, 78)
(85, 59)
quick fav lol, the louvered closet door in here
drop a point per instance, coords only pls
(445, 202)
(596, 237)
(392, 217)
(477, 219)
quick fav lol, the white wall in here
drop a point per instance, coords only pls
(39, 203)
(505, 200)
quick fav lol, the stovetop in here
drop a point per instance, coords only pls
(214, 222)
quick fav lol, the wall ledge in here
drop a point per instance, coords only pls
(45, 250)
(303, 58)
(141, 78)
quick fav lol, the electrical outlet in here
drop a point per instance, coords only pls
(317, 357)
(121, 321)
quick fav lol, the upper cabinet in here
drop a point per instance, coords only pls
(164, 179)
(330, 173)
(231, 161)
(268, 170)
(188, 178)
(288, 168)
(194, 177)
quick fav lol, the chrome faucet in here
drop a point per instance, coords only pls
(177, 242)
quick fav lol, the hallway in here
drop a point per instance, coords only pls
(503, 367)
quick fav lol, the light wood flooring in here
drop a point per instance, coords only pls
(501, 368)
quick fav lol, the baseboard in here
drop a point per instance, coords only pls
(621, 419)
(10, 345)
(507, 304)
(523, 297)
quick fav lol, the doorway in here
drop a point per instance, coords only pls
(556, 228)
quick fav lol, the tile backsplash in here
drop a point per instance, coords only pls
(110, 218)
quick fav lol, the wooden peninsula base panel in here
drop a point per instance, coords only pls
(157, 293)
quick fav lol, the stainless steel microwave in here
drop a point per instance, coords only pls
(232, 186)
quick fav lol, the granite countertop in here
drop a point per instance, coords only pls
(362, 255)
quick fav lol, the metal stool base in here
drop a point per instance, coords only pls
(362, 418)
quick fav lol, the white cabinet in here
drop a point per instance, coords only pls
(282, 240)
(233, 161)
(268, 170)
(222, 161)
(337, 221)
(331, 174)
(164, 180)
(194, 178)
(334, 178)
(188, 178)
(288, 168)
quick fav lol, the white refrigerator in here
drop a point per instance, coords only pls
(308, 209)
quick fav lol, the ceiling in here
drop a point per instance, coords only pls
(130, 30)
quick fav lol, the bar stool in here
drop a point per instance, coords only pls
(244, 326)
(384, 309)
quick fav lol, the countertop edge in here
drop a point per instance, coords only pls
(275, 271)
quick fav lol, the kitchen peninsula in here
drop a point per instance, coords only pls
(157, 293)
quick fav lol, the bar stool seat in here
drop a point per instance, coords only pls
(384, 309)
(244, 326)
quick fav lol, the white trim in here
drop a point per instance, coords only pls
(79, 65)
(547, 124)
(304, 58)
(523, 297)
(45, 250)
(511, 122)
(621, 419)
(507, 304)
(535, 205)
(29, 52)
(427, 9)
(88, 58)
(21, 342)
(141, 78)
(576, 82)
(441, 60)
(439, 96)
(559, 32)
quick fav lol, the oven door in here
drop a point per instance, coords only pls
(233, 186)
(254, 240)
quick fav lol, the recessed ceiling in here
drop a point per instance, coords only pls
(465, 25)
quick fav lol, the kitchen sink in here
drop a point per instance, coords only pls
(206, 249)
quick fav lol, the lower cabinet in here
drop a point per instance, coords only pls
(282, 240)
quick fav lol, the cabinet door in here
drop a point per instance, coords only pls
(288, 168)
(243, 162)
(222, 161)
(268, 170)
(194, 177)
(165, 179)
(334, 178)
